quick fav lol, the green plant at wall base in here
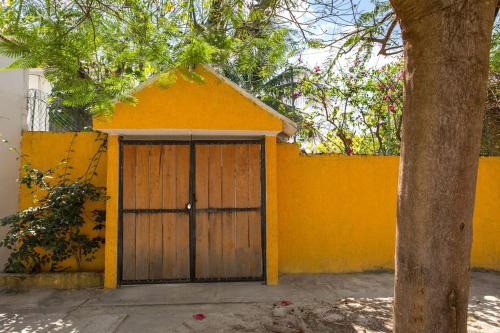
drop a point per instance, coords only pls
(49, 232)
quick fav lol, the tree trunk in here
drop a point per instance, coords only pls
(446, 45)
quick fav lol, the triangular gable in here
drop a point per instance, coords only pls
(217, 105)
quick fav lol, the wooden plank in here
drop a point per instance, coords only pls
(169, 200)
(215, 219)
(241, 170)
(155, 246)
(155, 177)
(182, 267)
(155, 224)
(142, 220)
(228, 187)
(169, 245)
(241, 221)
(215, 176)
(254, 176)
(142, 246)
(128, 176)
(201, 186)
(202, 269)
(128, 272)
(254, 218)
(228, 218)
(255, 253)
(182, 176)
(169, 176)
(142, 176)
(201, 190)
(215, 260)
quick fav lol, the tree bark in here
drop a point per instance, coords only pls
(446, 44)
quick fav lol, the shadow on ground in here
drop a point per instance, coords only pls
(341, 303)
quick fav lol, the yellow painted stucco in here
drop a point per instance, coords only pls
(324, 213)
(338, 213)
(272, 232)
(45, 150)
(486, 240)
(188, 105)
(111, 255)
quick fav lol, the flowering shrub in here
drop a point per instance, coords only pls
(357, 110)
(50, 231)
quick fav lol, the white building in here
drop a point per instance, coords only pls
(15, 86)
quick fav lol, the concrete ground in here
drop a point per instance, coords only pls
(301, 303)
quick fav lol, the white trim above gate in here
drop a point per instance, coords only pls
(188, 132)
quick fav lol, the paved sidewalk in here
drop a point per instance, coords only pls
(228, 307)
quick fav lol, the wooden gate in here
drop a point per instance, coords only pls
(191, 211)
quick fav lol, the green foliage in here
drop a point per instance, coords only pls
(490, 144)
(50, 231)
(97, 52)
(495, 49)
(357, 110)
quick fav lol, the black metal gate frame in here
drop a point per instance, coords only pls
(192, 212)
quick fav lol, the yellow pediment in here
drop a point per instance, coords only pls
(216, 105)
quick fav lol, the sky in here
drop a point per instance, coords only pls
(318, 57)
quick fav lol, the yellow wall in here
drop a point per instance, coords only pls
(338, 213)
(486, 244)
(45, 150)
(111, 256)
(325, 213)
(191, 105)
(272, 227)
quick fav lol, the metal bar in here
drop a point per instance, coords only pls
(192, 215)
(195, 280)
(185, 210)
(263, 207)
(227, 142)
(155, 142)
(198, 142)
(155, 210)
(227, 209)
(119, 271)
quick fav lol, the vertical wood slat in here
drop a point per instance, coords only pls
(155, 220)
(228, 218)
(142, 220)
(254, 218)
(128, 220)
(241, 221)
(182, 265)
(169, 176)
(254, 176)
(169, 200)
(215, 219)
(202, 195)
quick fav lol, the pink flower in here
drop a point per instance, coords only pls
(199, 316)
(317, 69)
(285, 302)
(387, 97)
(392, 108)
(296, 94)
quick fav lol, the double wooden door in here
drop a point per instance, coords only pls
(191, 211)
